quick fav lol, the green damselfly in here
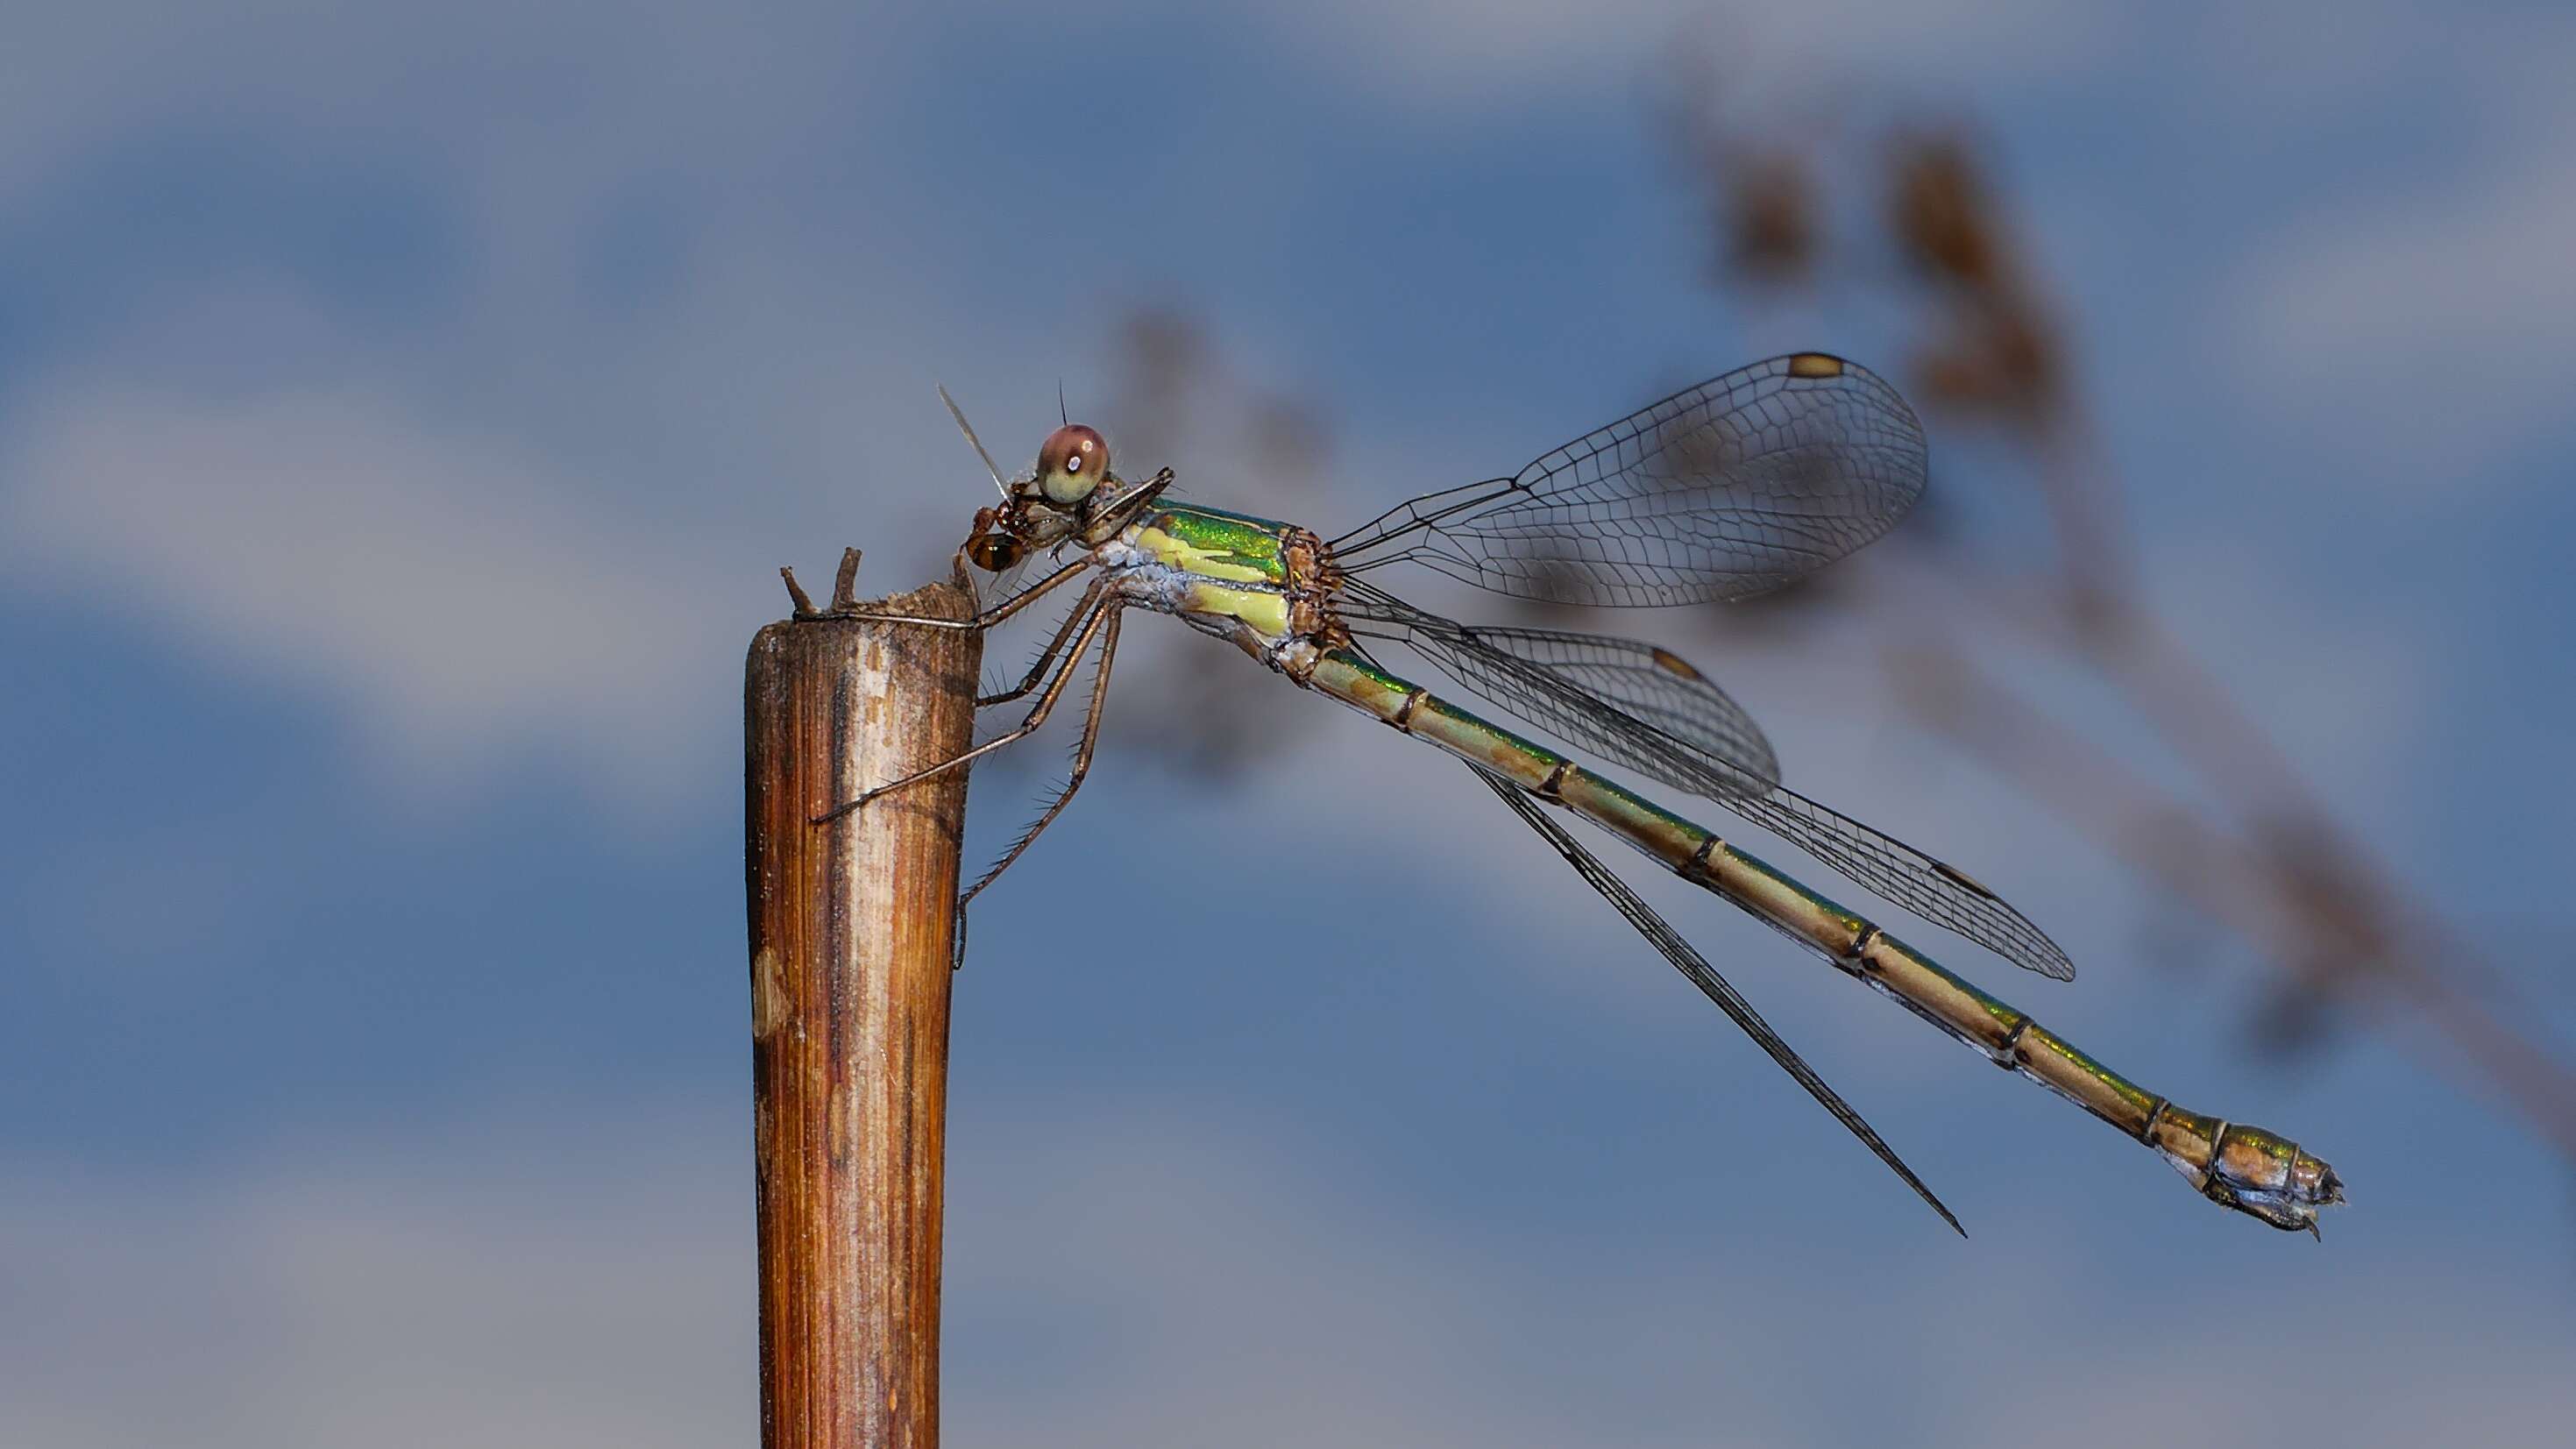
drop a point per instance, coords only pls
(1741, 484)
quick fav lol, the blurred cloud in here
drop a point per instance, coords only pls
(430, 580)
(2454, 312)
(702, 81)
(1160, 1280)
(1455, 52)
(479, 1296)
(2427, 320)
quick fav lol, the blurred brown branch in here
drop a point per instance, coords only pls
(1177, 402)
(2273, 865)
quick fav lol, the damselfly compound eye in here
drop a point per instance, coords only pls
(1072, 463)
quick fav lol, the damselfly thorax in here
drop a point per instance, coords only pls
(1265, 587)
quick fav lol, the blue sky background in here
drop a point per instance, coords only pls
(403, 411)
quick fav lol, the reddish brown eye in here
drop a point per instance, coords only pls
(1072, 463)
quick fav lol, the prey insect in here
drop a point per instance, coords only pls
(1744, 483)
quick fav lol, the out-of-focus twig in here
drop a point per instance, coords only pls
(2297, 900)
(1175, 401)
(2273, 866)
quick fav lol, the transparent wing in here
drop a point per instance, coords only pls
(1649, 710)
(1681, 709)
(1704, 976)
(1728, 489)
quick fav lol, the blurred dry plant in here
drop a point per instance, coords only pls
(2272, 866)
(1175, 402)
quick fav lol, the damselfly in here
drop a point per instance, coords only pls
(1739, 485)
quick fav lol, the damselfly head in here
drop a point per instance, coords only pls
(1071, 464)
(1063, 498)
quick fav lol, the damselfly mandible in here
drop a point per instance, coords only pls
(1741, 484)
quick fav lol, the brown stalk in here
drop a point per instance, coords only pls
(850, 936)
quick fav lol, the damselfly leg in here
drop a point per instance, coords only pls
(1082, 753)
(985, 618)
(1081, 757)
(1093, 612)
(1046, 658)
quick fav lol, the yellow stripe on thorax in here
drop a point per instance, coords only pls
(1211, 570)
(1264, 610)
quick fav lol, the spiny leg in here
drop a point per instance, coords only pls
(1704, 976)
(984, 619)
(1028, 726)
(1063, 796)
(1047, 656)
(1081, 762)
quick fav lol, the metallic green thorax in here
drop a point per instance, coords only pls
(1235, 547)
(1227, 573)
(2243, 1167)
